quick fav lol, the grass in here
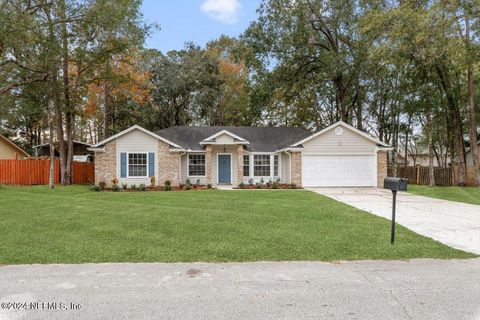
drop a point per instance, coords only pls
(466, 194)
(74, 225)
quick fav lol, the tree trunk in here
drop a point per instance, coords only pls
(471, 99)
(51, 175)
(66, 177)
(106, 115)
(454, 114)
(431, 173)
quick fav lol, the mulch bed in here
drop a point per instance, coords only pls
(264, 186)
(160, 188)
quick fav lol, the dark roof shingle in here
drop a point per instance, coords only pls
(261, 139)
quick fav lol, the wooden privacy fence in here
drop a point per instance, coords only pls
(32, 172)
(420, 175)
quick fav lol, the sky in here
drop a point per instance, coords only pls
(199, 21)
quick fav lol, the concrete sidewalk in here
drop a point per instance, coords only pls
(455, 224)
(417, 289)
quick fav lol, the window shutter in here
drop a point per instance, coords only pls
(123, 165)
(151, 164)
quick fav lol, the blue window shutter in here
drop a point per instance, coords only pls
(151, 164)
(123, 165)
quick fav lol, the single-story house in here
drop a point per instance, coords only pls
(469, 155)
(9, 150)
(79, 149)
(338, 155)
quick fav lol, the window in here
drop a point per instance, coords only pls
(196, 165)
(261, 165)
(246, 166)
(275, 165)
(137, 164)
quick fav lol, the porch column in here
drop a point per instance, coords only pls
(208, 163)
(239, 164)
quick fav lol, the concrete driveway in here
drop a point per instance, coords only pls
(452, 223)
(417, 289)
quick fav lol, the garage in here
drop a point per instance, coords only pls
(339, 170)
(341, 156)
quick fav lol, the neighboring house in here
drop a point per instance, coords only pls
(339, 155)
(421, 158)
(9, 150)
(79, 149)
(469, 156)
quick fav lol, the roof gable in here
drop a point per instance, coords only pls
(344, 125)
(135, 127)
(14, 146)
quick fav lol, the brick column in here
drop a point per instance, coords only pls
(296, 167)
(381, 167)
(208, 163)
(106, 164)
(239, 164)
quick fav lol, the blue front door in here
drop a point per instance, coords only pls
(224, 168)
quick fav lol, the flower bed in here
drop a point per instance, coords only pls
(153, 187)
(267, 186)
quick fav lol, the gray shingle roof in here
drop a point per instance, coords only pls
(261, 139)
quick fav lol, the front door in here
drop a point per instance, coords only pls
(224, 168)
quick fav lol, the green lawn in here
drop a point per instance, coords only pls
(74, 225)
(467, 194)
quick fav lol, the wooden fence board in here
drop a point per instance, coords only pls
(33, 172)
(420, 175)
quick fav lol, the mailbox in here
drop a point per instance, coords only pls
(395, 184)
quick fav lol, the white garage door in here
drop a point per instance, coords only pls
(339, 170)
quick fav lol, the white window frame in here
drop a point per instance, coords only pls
(270, 164)
(128, 165)
(249, 166)
(278, 165)
(188, 165)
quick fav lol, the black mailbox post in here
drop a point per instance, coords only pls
(394, 184)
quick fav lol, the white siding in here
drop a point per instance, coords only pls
(224, 139)
(349, 142)
(284, 168)
(136, 141)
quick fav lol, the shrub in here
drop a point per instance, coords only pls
(250, 181)
(293, 186)
(209, 186)
(262, 181)
(187, 182)
(188, 186)
(258, 185)
(181, 186)
(102, 185)
(153, 181)
(269, 183)
(114, 181)
(115, 188)
(133, 186)
(241, 185)
(197, 184)
(168, 185)
(95, 188)
(275, 185)
(142, 187)
(124, 186)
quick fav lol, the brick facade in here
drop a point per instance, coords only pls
(381, 167)
(168, 165)
(240, 163)
(208, 163)
(106, 164)
(296, 166)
